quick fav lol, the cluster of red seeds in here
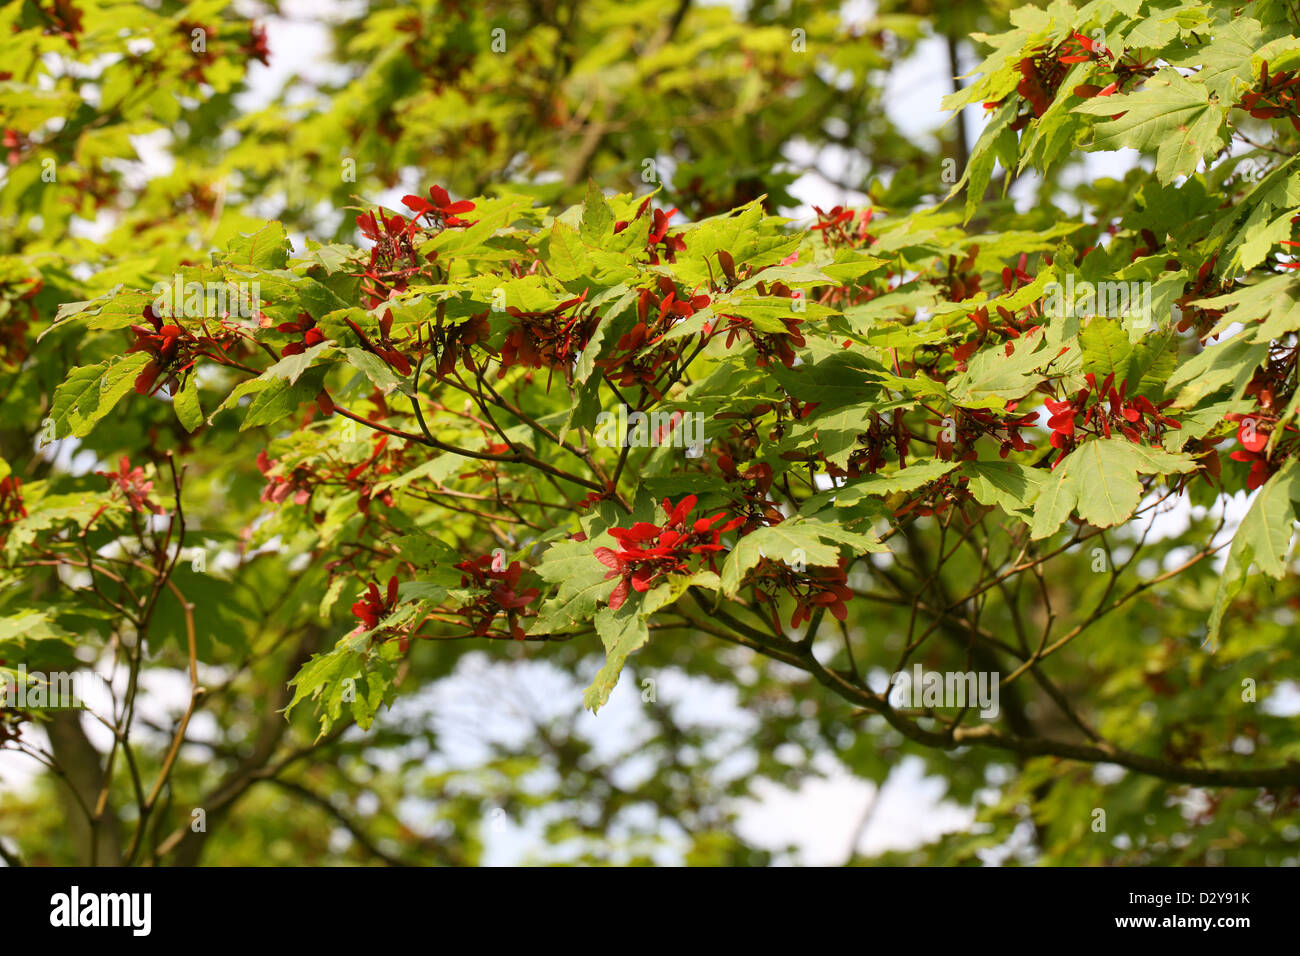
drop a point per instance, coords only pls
(254, 47)
(1275, 96)
(754, 483)
(503, 597)
(302, 480)
(171, 352)
(133, 484)
(648, 551)
(813, 589)
(1011, 326)
(18, 308)
(1105, 409)
(629, 363)
(1272, 387)
(393, 259)
(844, 227)
(374, 607)
(548, 338)
(11, 501)
(768, 345)
(1042, 74)
(959, 431)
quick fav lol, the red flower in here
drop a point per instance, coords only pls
(310, 335)
(648, 551)
(372, 608)
(132, 483)
(168, 347)
(442, 210)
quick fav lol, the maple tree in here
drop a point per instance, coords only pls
(393, 463)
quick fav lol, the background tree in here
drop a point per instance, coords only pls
(389, 479)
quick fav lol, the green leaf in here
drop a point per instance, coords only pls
(672, 589)
(350, 677)
(186, 405)
(992, 378)
(266, 249)
(291, 367)
(834, 432)
(1263, 539)
(31, 625)
(281, 398)
(979, 170)
(880, 484)
(815, 542)
(1100, 479)
(376, 369)
(1176, 118)
(1010, 485)
(1106, 349)
(597, 217)
(116, 311)
(90, 392)
(1224, 62)
(572, 565)
(286, 294)
(622, 632)
(331, 596)
(1228, 363)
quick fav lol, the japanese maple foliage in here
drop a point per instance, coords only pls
(461, 425)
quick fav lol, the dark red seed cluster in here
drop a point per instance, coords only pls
(629, 363)
(813, 589)
(1274, 96)
(1104, 410)
(504, 596)
(170, 349)
(1271, 387)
